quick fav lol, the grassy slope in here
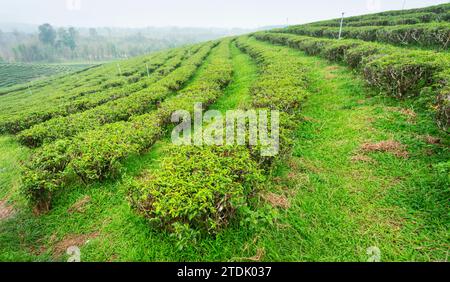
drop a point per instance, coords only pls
(338, 210)
(11, 153)
(398, 205)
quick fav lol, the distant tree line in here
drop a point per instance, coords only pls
(50, 44)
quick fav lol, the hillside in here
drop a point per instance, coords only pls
(87, 160)
(13, 74)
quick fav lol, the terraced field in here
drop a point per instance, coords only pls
(86, 159)
(16, 73)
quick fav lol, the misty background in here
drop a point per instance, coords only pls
(102, 30)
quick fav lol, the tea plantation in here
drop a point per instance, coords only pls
(86, 157)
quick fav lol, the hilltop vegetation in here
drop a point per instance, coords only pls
(363, 157)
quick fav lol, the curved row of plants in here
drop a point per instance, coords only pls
(53, 92)
(166, 79)
(400, 72)
(430, 35)
(432, 13)
(200, 188)
(91, 79)
(98, 154)
(35, 85)
(17, 73)
(414, 18)
(124, 85)
(86, 99)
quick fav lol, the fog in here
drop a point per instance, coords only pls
(191, 13)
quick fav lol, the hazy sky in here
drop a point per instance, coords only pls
(198, 13)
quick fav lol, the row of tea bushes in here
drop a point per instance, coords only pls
(97, 154)
(443, 100)
(200, 188)
(390, 21)
(63, 104)
(399, 72)
(411, 16)
(431, 35)
(158, 86)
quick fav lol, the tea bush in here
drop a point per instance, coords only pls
(399, 72)
(430, 35)
(200, 188)
(408, 19)
(121, 109)
(400, 17)
(97, 154)
(60, 100)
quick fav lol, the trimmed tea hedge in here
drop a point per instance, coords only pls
(431, 35)
(199, 188)
(196, 187)
(97, 154)
(120, 109)
(84, 97)
(443, 100)
(415, 18)
(18, 73)
(428, 14)
(399, 72)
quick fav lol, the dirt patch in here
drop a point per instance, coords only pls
(390, 146)
(432, 140)
(361, 102)
(6, 211)
(331, 68)
(309, 119)
(80, 205)
(330, 76)
(303, 164)
(260, 252)
(72, 240)
(410, 114)
(294, 164)
(277, 201)
(329, 72)
(38, 250)
(362, 158)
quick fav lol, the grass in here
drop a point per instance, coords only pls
(337, 207)
(11, 154)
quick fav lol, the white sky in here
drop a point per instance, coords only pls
(191, 13)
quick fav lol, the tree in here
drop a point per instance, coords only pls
(66, 38)
(47, 34)
(93, 32)
(61, 36)
(2, 35)
(16, 34)
(72, 39)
